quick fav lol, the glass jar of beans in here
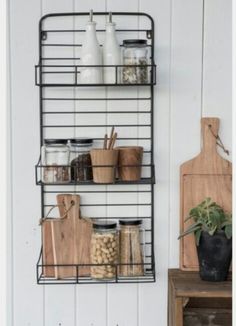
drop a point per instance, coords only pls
(104, 250)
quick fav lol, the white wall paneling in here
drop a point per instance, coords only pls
(27, 305)
(192, 52)
(185, 97)
(217, 67)
(149, 311)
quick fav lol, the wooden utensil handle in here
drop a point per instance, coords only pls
(113, 140)
(110, 140)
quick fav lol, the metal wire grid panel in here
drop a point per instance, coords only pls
(70, 109)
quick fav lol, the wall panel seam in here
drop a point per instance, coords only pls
(169, 133)
(74, 107)
(10, 174)
(203, 52)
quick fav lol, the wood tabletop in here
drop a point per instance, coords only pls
(189, 284)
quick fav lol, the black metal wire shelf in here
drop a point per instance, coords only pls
(66, 112)
(149, 275)
(39, 173)
(44, 70)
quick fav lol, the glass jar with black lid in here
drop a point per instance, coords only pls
(104, 250)
(80, 160)
(135, 55)
(55, 160)
(132, 240)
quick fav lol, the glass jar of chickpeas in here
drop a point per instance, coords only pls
(104, 250)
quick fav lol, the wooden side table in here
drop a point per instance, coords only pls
(183, 286)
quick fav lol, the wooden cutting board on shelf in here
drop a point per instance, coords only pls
(51, 228)
(71, 238)
(207, 175)
(66, 241)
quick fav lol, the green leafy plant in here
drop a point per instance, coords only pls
(208, 217)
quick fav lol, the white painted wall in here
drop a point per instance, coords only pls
(193, 54)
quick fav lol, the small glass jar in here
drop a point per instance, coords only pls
(80, 159)
(55, 159)
(135, 53)
(131, 248)
(104, 250)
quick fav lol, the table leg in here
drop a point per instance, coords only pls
(178, 312)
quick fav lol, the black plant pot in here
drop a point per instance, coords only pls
(214, 255)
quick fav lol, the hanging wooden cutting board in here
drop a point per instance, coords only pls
(207, 175)
(71, 238)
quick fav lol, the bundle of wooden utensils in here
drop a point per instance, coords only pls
(109, 143)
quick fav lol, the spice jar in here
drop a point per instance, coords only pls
(104, 250)
(131, 250)
(135, 54)
(80, 160)
(55, 159)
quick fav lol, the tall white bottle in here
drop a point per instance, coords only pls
(111, 53)
(91, 55)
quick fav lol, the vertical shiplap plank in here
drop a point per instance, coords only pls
(60, 300)
(9, 228)
(186, 79)
(153, 297)
(123, 299)
(217, 66)
(27, 296)
(91, 304)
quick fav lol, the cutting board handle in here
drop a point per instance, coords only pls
(210, 127)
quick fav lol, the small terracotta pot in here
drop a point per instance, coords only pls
(103, 158)
(129, 163)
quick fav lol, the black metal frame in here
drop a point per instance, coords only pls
(150, 275)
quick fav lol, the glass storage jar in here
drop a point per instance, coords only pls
(104, 250)
(55, 159)
(131, 248)
(80, 159)
(135, 53)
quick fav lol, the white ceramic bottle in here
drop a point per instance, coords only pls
(91, 55)
(111, 53)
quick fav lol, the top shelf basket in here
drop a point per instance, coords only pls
(46, 75)
(60, 48)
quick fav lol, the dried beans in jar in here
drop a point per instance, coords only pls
(104, 250)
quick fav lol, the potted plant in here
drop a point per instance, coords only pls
(212, 227)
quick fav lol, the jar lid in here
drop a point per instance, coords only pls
(130, 222)
(81, 141)
(104, 225)
(55, 141)
(134, 42)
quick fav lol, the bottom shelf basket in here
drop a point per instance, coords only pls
(148, 277)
